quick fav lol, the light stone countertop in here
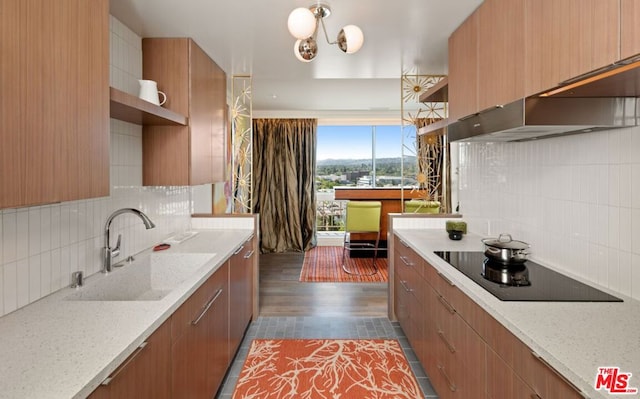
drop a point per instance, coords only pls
(61, 349)
(574, 337)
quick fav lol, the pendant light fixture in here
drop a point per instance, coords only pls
(303, 25)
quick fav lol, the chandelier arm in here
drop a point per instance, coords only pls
(324, 29)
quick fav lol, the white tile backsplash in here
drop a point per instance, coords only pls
(575, 199)
(40, 246)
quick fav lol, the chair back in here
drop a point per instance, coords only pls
(363, 216)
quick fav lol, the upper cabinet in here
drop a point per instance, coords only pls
(567, 38)
(500, 52)
(463, 69)
(196, 87)
(54, 113)
(629, 28)
(509, 49)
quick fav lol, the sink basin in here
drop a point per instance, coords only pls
(149, 278)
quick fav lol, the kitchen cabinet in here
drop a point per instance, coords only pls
(629, 28)
(501, 52)
(145, 374)
(463, 69)
(464, 350)
(507, 50)
(54, 117)
(196, 87)
(409, 287)
(241, 293)
(451, 352)
(200, 338)
(567, 38)
(526, 366)
(502, 382)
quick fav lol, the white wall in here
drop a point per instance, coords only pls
(41, 246)
(575, 199)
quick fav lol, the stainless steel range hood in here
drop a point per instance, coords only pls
(542, 117)
(600, 100)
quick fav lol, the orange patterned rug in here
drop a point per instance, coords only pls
(326, 369)
(323, 264)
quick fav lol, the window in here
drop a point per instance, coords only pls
(363, 156)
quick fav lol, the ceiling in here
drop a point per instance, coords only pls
(250, 37)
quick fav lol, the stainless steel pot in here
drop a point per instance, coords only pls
(505, 249)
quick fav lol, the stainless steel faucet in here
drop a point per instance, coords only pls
(110, 253)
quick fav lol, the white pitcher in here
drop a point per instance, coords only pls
(149, 92)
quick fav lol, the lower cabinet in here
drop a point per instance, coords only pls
(240, 286)
(199, 339)
(188, 356)
(144, 374)
(464, 350)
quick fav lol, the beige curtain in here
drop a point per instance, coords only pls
(284, 161)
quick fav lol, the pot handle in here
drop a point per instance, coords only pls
(493, 250)
(505, 238)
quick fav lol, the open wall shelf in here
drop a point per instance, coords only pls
(129, 108)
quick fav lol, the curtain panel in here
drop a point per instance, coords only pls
(284, 161)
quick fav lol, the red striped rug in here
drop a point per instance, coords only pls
(323, 264)
(326, 369)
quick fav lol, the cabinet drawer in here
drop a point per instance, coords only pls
(470, 311)
(459, 350)
(526, 364)
(408, 257)
(502, 381)
(189, 311)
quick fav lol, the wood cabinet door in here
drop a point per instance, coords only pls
(567, 38)
(207, 117)
(54, 117)
(195, 86)
(463, 69)
(502, 382)
(629, 28)
(500, 52)
(241, 294)
(199, 348)
(146, 374)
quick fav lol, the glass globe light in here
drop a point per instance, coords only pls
(350, 39)
(305, 50)
(301, 23)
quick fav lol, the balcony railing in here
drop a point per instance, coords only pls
(329, 212)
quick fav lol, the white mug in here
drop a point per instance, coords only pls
(149, 92)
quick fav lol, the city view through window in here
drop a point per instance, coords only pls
(357, 156)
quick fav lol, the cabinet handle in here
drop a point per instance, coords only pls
(562, 377)
(135, 354)
(206, 307)
(406, 287)
(442, 276)
(239, 250)
(249, 254)
(404, 260)
(535, 396)
(452, 386)
(451, 348)
(446, 304)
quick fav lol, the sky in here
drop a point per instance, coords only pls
(354, 142)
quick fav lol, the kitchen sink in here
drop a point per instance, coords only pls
(148, 278)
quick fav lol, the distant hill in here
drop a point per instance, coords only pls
(352, 162)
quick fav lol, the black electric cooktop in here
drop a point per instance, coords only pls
(529, 281)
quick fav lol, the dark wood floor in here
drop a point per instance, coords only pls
(281, 294)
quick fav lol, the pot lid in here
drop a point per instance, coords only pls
(504, 241)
